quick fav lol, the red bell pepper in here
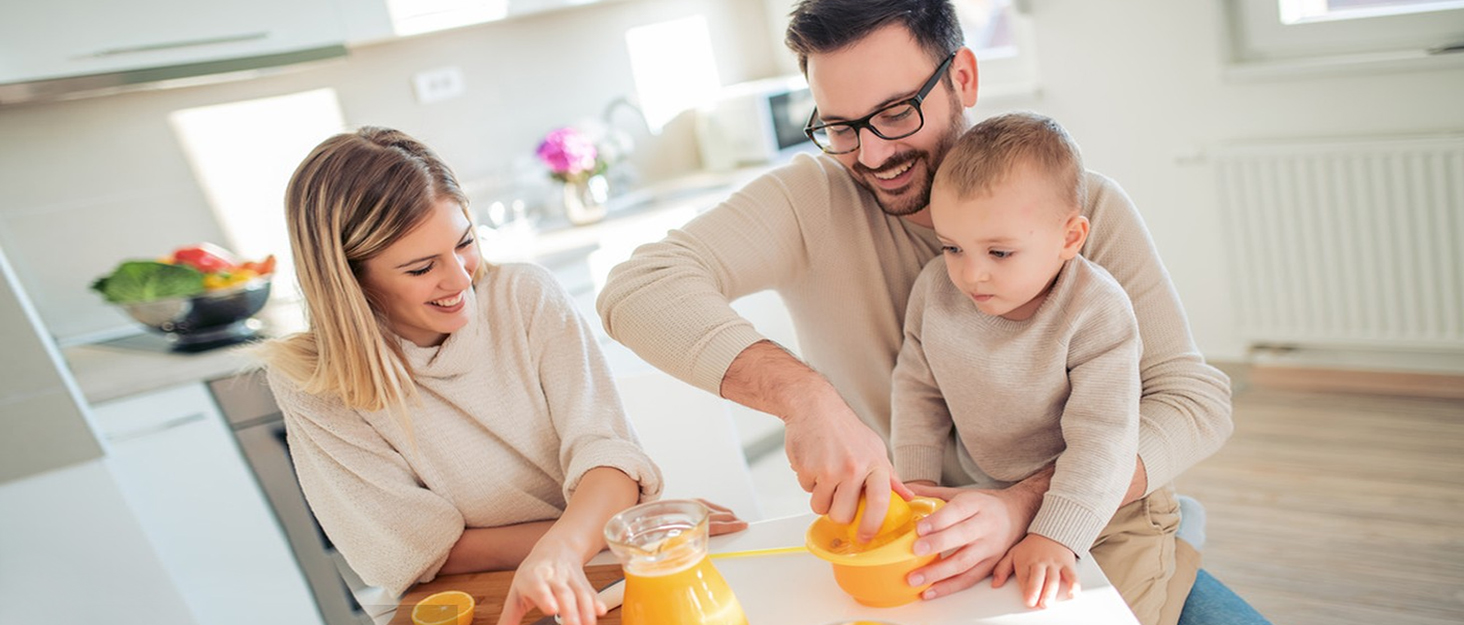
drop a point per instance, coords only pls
(205, 257)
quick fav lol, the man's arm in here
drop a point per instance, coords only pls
(835, 455)
(671, 301)
(1185, 411)
(671, 304)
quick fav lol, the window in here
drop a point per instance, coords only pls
(1000, 33)
(1302, 11)
(673, 67)
(413, 17)
(243, 154)
(1321, 33)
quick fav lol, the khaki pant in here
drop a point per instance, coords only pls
(1151, 570)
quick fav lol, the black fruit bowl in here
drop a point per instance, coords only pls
(201, 322)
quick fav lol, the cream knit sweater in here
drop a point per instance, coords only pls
(1062, 384)
(844, 269)
(515, 408)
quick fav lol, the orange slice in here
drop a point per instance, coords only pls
(452, 607)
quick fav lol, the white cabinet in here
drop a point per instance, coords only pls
(68, 38)
(181, 472)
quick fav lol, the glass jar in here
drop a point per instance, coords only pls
(668, 577)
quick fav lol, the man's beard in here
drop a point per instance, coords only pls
(910, 203)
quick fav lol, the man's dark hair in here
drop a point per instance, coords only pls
(829, 25)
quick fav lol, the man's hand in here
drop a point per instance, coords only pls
(1043, 567)
(977, 526)
(836, 456)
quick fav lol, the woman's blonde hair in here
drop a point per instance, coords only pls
(351, 198)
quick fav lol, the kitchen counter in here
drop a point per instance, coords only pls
(142, 362)
(579, 257)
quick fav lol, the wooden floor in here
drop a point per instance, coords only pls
(1339, 509)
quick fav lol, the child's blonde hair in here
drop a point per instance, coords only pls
(988, 153)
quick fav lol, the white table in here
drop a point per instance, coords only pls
(799, 589)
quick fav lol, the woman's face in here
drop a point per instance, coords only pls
(423, 281)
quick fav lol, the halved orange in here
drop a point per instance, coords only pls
(896, 516)
(451, 607)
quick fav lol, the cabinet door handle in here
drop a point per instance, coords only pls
(173, 45)
(161, 427)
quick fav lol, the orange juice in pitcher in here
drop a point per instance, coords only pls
(668, 578)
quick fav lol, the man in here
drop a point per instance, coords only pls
(841, 237)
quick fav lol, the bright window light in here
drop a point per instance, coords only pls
(1302, 11)
(673, 66)
(988, 25)
(243, 154)
(414, 17)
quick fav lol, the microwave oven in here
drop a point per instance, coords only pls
(755, 123)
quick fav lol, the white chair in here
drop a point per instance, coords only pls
(689, 433)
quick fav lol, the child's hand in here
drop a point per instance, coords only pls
(722, 520)
(1041, 565)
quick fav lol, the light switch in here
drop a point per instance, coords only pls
(436, 85)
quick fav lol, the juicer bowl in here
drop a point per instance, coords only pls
(874, 574)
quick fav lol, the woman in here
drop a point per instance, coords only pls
(443, 415)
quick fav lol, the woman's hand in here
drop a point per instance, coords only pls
(552, 578)
(1042, 566)
(722, 520)
(978, 526)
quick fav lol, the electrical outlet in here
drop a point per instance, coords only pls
(436, 85)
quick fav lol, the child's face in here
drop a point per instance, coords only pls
(1005, 247)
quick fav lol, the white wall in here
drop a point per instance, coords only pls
(90, 182)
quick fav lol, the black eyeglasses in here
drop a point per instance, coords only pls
(896, 121)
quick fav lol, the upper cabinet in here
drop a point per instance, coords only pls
(53, 39)
(54, 49)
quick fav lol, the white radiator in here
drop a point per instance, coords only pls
(1347, 243)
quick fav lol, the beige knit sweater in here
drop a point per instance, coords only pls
(844, 269)
(1062, 384)
(515, 408)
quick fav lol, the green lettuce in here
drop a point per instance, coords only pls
(145, 280)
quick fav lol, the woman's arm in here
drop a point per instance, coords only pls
(552, 575)
(493, 548)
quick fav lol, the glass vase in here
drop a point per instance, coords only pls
(584, 199)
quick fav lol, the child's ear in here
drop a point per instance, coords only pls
(1075, 233)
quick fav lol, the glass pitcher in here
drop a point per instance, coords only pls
(668, 578)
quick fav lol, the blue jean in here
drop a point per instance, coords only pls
(1212, 603)
(1209, 602)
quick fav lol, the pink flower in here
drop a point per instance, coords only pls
(568, 153)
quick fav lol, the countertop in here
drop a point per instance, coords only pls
(579, 256)
(140, 363)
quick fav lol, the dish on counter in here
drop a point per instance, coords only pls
(199, 297)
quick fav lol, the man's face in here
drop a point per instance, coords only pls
(885, 67)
